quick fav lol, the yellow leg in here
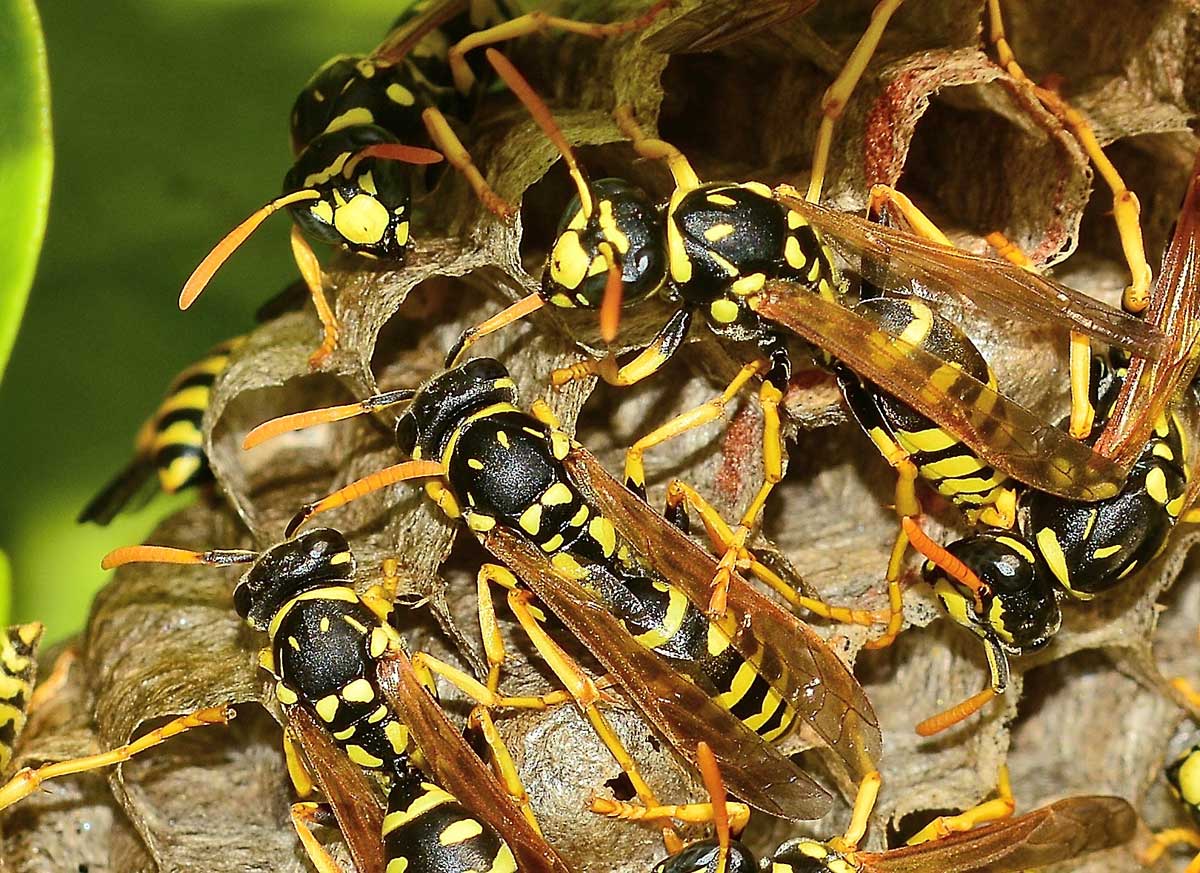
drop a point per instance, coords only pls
(688, 813)
(60, 673)
(302, 779)
(542, 412)
(537, 22)
(906, 505)
(864, 805)
(448, 143)
(918, 221)
(503, 764)
(705, 413)
(27, 781)
(1184, 687)
(310, 270)
(480, 693)
(584, 691)
(721, 535)
(656, 149)
(646, 363)
(992, 810)
(381, 598)
(1166, 839)
(304, 816)
(1126, 209)
(834, 101)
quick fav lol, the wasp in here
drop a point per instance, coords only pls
(1002, 583)
(18, 668)
(361, 117)
(984, 838)
(1183, 777)
(169, 444)
(624, 581)
(343, 678)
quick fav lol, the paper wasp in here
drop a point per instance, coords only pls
(1183, 777)
(169, 444)
(353, 705)
(625, 582)
(984, 839)
(359, 117)
(18, 667)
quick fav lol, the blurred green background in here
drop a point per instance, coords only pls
(170, 126)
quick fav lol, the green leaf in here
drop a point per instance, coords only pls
(5, 589)
(26, 159)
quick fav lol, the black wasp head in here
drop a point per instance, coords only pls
(362, 204)
(623, 216)
(445, 402)
(315, 559)
(702, 857)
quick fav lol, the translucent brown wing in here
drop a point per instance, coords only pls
(131, 489)
(402, 39)
(717, 23)
(1063, 830)
(893, 259)
(1000, 431)
(345, 786)
(672, 703)
(789, 654)
(456, 768)
(1151, 385)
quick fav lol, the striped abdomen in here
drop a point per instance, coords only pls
(17, 666)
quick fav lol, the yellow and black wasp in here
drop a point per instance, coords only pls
(1002, 582)
(626, 582)
(169, 444)
(1183, 777)
(360, 116)
(18, 668)
(343, 678)
(984, 839)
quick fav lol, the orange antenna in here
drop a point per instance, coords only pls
(392, 151)
(367, 484)
(537, 108)
(715, 785)
(221, 251)
(950, 565)
(169, 555)
(614, 295)
(952, 716)
(268, 430)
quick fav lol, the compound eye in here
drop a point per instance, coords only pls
(241, 599)
(406, 433)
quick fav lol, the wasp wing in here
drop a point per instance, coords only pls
(894, 259)
(718, 23)
(1058, 832)
(355, 804)
(1000, 431)
(787, 652)
(672, 703)
(1150, 385)
(401, 40)
(131, 488)
(457, 768)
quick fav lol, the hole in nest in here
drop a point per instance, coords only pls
(901, 831)
(621, 787)
(977, 171)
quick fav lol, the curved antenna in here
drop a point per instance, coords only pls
(952, 716)
(946, 562)
(655, 149)
(393, 151)
(170, 555)
(221, 251)
(401, 472)
(540, 112)
(614, 294)
(715, 786)
(268, 430)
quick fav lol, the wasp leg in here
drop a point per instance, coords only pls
(705, 413)
(997, 809)
(310, 271)
(503, 764)
(298, 772)
(834, 100)
(1164, 840)
(1184, 687)
(537, 22)
(448, 143)
(1126, 208)
(680, 495)
(56, 681)
(27, 781)
(655, 149)
(1083, 414)
(864, 805)
(647, 362)
(585, 692)
(304, 816)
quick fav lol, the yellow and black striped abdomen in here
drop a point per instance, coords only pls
(17, 667)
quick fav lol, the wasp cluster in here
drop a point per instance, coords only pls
(1087, 715)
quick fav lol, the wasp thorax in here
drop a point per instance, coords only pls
(315, 559)
(622, 216)
(447, 401)
(702, 857)
(1019, 608)
(360, 204)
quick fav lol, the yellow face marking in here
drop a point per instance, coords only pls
(604, 533)
(751, 284)
(612, 231)
(724, 311)
(598, 266)
(362, 757)
(569, 262)
(349, 118)
(367, 182)
(1156, 486)
(363, 220)
(402, 232)
(793, 254)
(341, 558)
(321, 176)
(459, 832)
(556, 495)
(327, 707)
(397, 736)
(358, 691)
(717, 232)
(322, 211)
(397, 93)
(479, 522)
(285, 695)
